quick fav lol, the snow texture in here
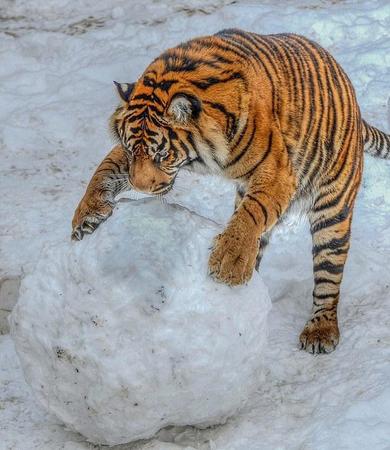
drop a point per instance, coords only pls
(124, 333)
(58, 60)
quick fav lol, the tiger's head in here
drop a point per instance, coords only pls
(166, 122)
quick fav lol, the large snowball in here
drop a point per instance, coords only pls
(123, 333)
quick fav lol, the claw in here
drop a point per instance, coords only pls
(77, 234)
(89, 227)
(319, 337)
(88, 217)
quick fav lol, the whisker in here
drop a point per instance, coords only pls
(119, 177)
(162, 199)
(180, 189)
(111, 174)
(135, 195)
(109, 183)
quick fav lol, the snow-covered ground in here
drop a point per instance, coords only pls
(58, 58)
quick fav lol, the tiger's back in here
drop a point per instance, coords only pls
(291, 80)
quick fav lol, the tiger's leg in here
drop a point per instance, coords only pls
(270, 187)
(331, 236)
(110, 178)
(264, 238)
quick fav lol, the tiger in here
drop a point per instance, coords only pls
(274, 114)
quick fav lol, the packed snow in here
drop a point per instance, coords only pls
(125, 333)
(58, 60)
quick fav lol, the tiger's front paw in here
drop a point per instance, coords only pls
(88, 216)
(233, 257)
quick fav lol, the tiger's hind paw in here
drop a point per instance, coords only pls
(320, 335)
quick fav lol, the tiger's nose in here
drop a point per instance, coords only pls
(142, 177)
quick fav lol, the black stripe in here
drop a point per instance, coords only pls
(262, 207)
(274, 202)
(105, 169)
(175, 62)
(211, 81)
(150, 140)
(114, 163)
(241, 136)
(332, 244)
(231, 119)
(248, 144)
(247, 210)
(325, 296)
(269, 147)
(299, 90)
(313, 53)
(321, 280)
(254, 41)
(338, 252)
(292, 72)
(310, 104)
(330, 221)
(265, 155)
(328, 266)
(318, 208)
(221, 58)
(165, 85)
(142, 115)
(211, 145)
(192, 142)
(237, 46)
(148, 98)
(226, 47)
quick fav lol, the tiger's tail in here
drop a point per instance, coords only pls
(376, 142)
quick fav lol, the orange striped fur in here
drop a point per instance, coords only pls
(276, 115)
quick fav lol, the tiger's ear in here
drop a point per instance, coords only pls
(124, 90)
(184, 107)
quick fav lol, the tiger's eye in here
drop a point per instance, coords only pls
(148, 82)
(165, 85)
